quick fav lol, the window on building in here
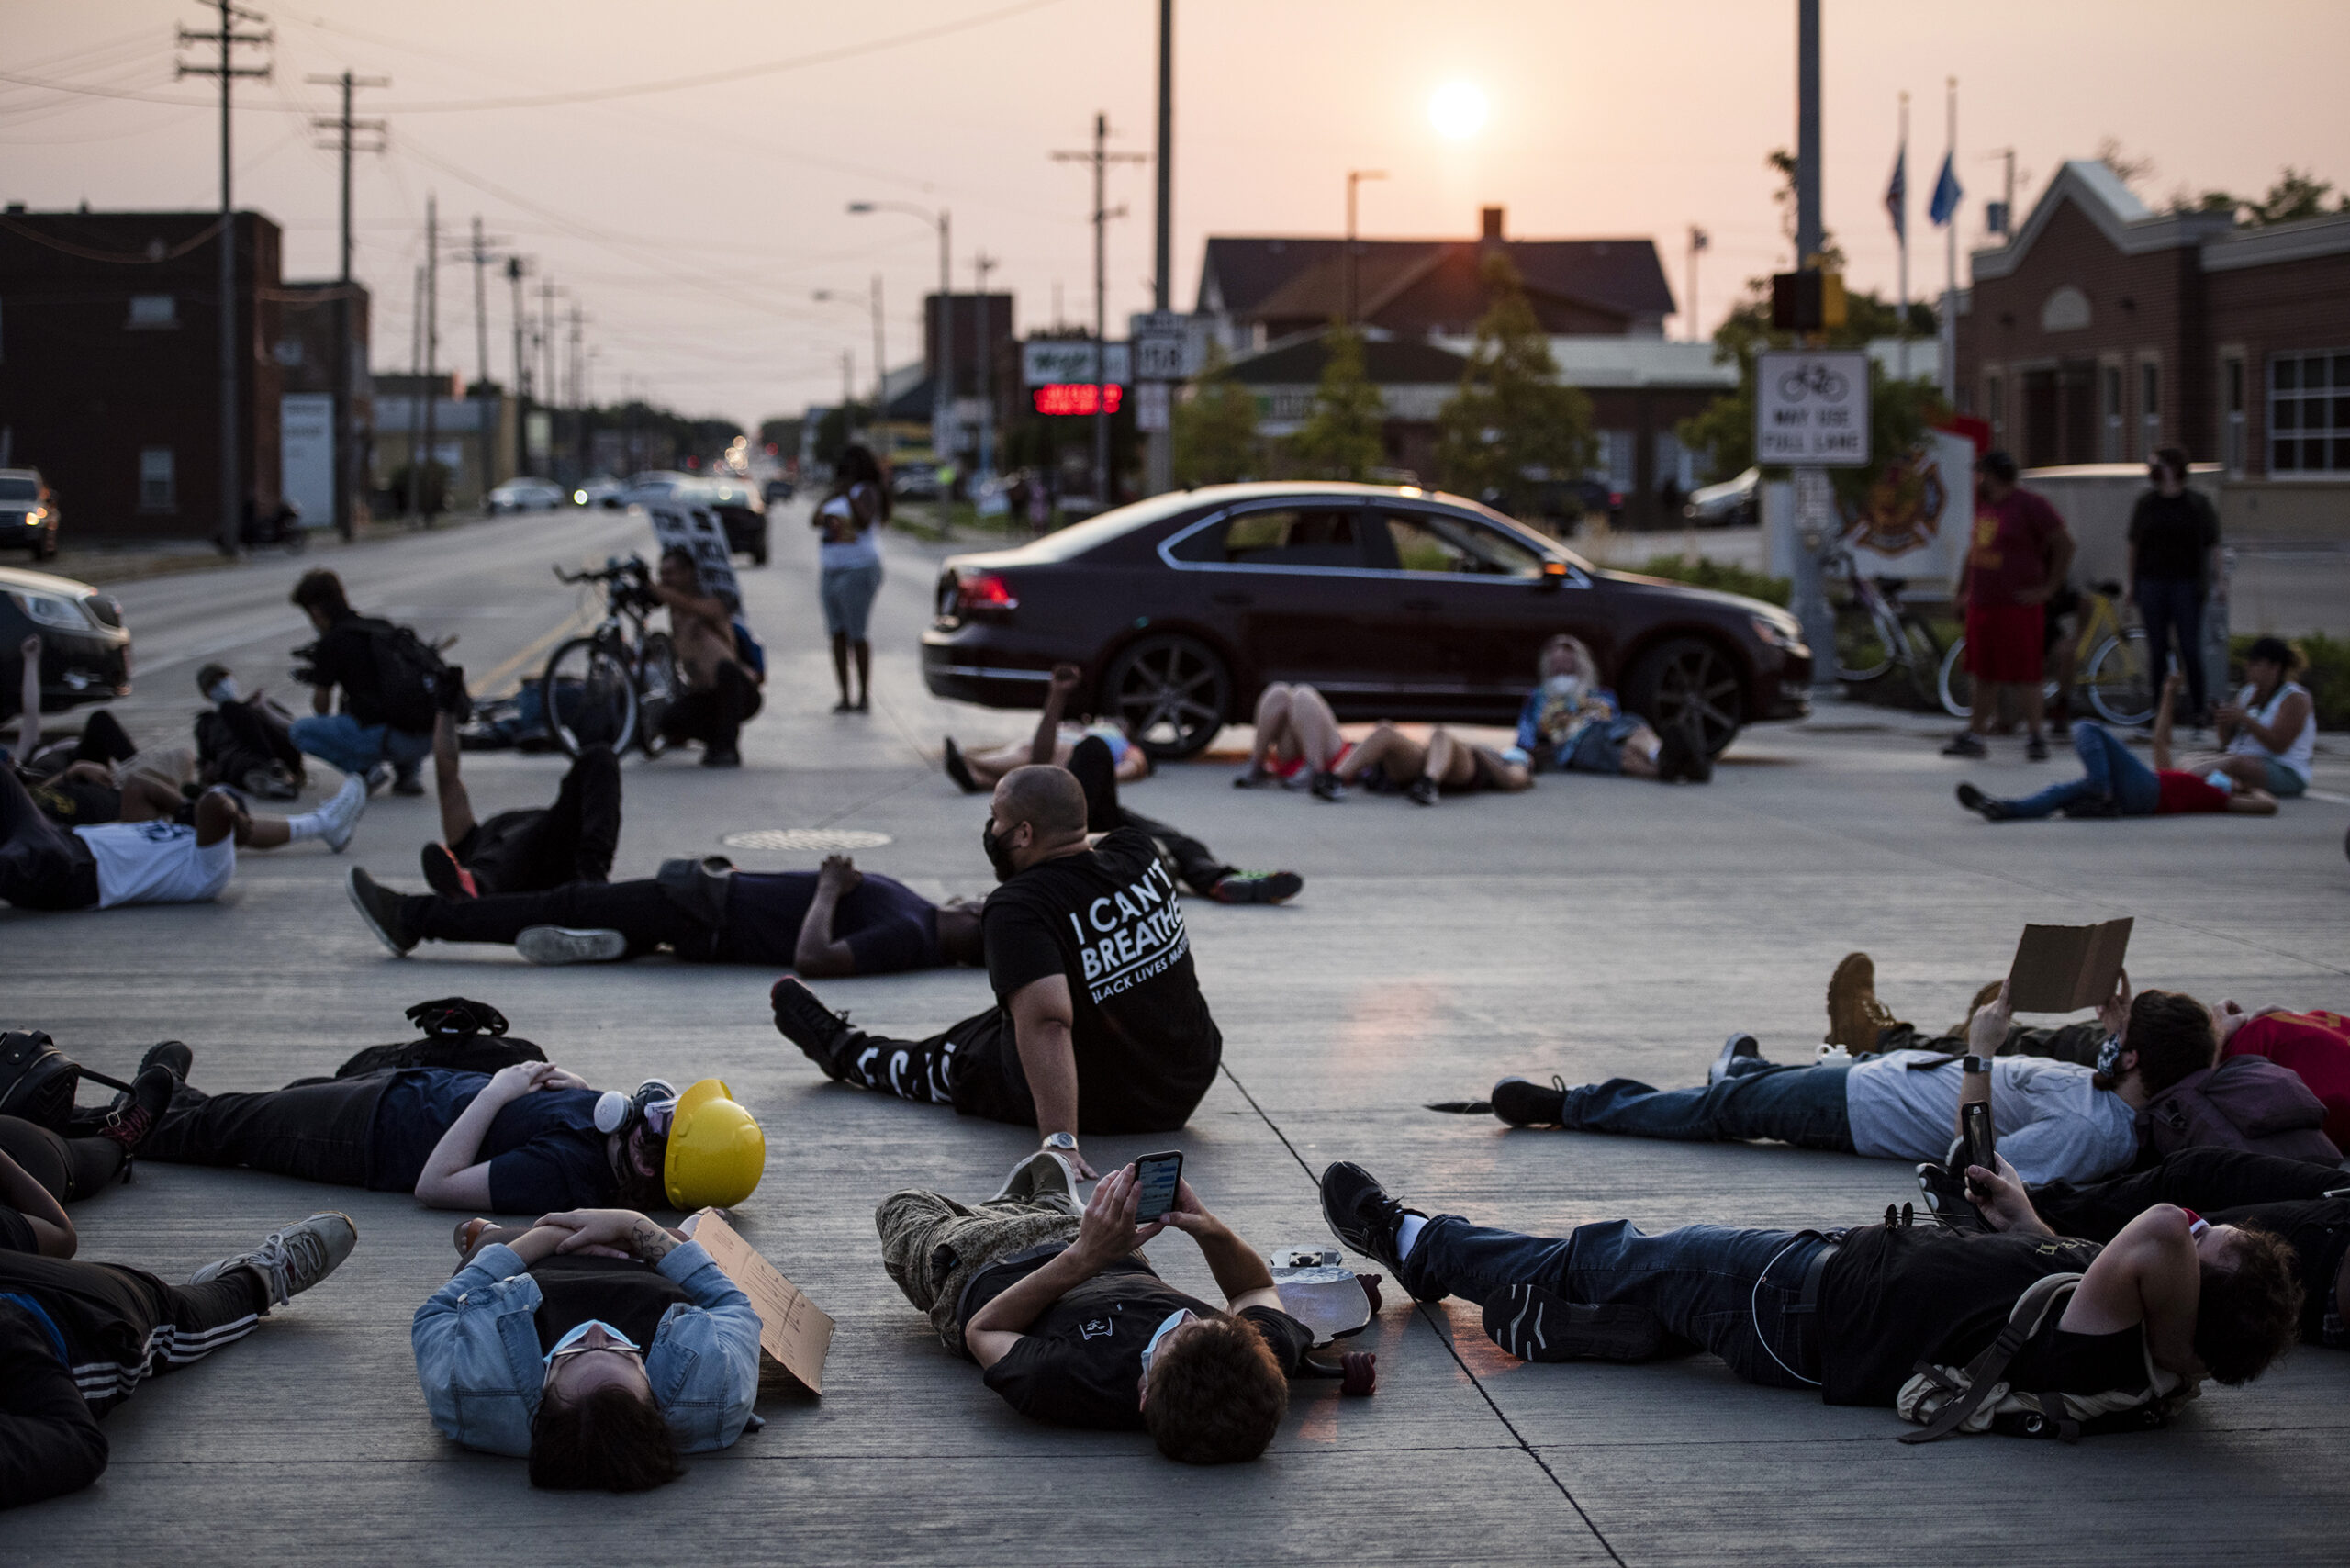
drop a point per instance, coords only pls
(158, 479)
(151, 310)
(2231, 413)
(2110, 390)
(1995, 409)
(2150, 407)
(2309, 413)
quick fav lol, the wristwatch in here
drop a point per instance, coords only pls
(1063, 1143)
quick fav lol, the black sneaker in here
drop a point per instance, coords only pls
(957, 769)
(1701, 764)
(1524, 1104)
(1946, 1198)
(384, 911)
(1326, 786)
(1536, 1325)
(149, 1097)
(1256, 886)
(721, 756)
(172, 1054)
(1966, 743)
(408, 784)
(1362, 1217)
(823, 1037)
(2035, 749)
(1975, 800)
(444, 876)
(1737, 1046)
(1422, 790)
(1673, 759)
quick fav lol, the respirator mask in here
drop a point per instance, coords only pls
(653, 1105)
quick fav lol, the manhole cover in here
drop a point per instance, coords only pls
(829, 839)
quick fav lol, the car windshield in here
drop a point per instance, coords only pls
(19, 490)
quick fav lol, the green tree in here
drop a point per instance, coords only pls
(1216, 427)
(1511, 422)
(1341, 439)
(2295, 195)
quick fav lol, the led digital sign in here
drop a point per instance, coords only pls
(1073, 397)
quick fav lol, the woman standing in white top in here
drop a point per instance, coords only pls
(2270, 729)
(850, 560)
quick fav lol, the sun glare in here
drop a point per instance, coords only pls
(1458, 110)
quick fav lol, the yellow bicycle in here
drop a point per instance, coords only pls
(2113, 679)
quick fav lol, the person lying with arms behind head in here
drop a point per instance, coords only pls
(1070, 1323)
(595, 1343)
(2115, 784)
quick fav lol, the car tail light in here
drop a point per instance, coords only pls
(981, 592)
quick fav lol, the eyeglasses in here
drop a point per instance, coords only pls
(554, 1356)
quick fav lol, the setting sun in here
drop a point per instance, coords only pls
(1458, 110)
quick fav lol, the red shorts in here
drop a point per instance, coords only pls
(2004, 644)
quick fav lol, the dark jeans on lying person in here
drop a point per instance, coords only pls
(42, 865)
(714, 714)
(1737, 1293)
(2075, 1043)
(2108, 773)
(315, 1129)
(1098, 774)
(571, 841)
(103, 739)
(639, 910)
(2206, 1179)
(973, 1066)
(1802, 1105)
(2168, 605)
(68, 1168)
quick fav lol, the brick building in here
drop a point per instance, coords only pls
(2105, 330)
(111, 365)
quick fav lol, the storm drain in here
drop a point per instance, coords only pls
(829, 840)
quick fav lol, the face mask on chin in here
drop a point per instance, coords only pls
(999, 852)
(224, 690)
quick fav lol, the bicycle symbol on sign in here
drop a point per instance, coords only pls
(1821, 381)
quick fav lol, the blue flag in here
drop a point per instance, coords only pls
(1947, 194)
(1897, 194)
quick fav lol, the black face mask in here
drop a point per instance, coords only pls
(999, 852)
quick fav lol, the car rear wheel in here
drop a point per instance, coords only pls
(1689, 681)
(1174, 692)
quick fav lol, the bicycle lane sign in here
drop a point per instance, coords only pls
(1811, 407)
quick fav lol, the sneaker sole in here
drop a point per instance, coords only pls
(1278, 888)
(557, 945)
(350, 886)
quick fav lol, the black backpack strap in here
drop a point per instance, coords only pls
(1982, 1374)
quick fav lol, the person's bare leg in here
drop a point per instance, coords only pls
(990, 766)
(1316, 727)
(840, 662)
(1382, 743)
(1641, 752)
(1275, 743)
(2252, 771)
(864, 671)
(1447, 760)
(1499, 771)
(218, 816)
(449, 783)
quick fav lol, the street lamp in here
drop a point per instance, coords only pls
(942, 398)
(1354, 177)
(881, 359)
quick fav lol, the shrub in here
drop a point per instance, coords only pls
(1729, 579)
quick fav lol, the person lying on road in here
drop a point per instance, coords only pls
(524, 851)
(974, 771)
(1572, 723)
(2115, 784)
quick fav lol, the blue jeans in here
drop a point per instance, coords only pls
(353, 747)
(1803, 1105)
(2109, 772)
(1735, 1292)
(2168, 605)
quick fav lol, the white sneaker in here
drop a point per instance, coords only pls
(564, 945)
(293, 1259)
(343, 813)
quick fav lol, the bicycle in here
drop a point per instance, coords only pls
(1875, 630)
(2113, 679)
(613, 686)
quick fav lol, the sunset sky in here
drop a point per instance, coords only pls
(694, 225)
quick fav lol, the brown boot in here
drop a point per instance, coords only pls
(1982, 999)
(1855, 1014)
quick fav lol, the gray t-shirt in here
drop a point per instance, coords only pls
(2052, 1123)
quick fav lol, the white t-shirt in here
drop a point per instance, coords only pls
(2300, 752)
(861, 551)
(158, 862)
(2052, 1123)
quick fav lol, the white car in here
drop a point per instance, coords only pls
(1730, 504)
(601, 492)
(525, 495)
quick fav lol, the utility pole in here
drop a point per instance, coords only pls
(480, 255)
(226, 40)
(1950, 263)
(1352, 308)
(411, 502)
(983, 265)
(346, 132)
(1100, 157)
(578, 392)
(1698, 240)
(880, 371)
(1158, 462)
(431, 346)
(1814, 500)
(521, 368)
(1899, 199)
(551, 391)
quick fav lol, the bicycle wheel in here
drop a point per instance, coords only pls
(589, 696)
(2117, 680)
(657, 687)
(1955, 682)
(1863, 652)
(1921, 659)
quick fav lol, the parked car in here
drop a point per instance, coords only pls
(84, 646)
(1397, 602)
(1733, 503)
(29, 512)
(779, 488)
(525, 495)
(736, 506)
(603, 491)
(916, 482)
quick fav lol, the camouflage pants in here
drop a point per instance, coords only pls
(932, 1246)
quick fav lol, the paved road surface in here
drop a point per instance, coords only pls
(1593, 927)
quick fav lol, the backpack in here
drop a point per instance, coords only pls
(407, 677)
(748, 649)
(2246, 1103)
(1976, 1398)
(37, 1079)
(461, 1035)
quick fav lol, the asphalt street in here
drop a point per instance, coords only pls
(1590, 928)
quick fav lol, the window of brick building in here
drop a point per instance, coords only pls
(2309, 413)
(2150, 408)
(2109, 386)
(1995, 409)
(149, 311)
(158, 479)
(2231, 431)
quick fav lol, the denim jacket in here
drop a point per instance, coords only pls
(478, 1354)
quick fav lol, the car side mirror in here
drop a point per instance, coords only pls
(1554, 576)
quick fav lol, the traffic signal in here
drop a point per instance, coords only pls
(1807, 301)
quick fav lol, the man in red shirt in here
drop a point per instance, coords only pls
(2018, 558)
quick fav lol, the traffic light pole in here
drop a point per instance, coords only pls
(1815, 498)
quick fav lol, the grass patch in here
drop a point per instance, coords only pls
(1719, 575)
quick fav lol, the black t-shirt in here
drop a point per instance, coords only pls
(73, 802)
(1080, 1364)
(1892, 1297)
(1109, 920)
(626, 1293)
(887, 924)
(344, 655)
(2174, 534)
(544, 1152)
(17, 1232)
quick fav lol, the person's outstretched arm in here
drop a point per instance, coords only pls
(1043, 1014)
(453, 1178)
(449, 780)
(1107, 1233)
(1239, 1272)
(2148, 1273)
(817, 956)
(1046, 743)
(29, 698)
(51, 1228)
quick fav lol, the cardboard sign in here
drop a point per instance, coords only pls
(698, 531)
(2062, 969)
(793, 1331)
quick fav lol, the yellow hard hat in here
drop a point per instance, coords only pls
(716, 1150)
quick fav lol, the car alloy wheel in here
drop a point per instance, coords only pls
(1689, 681)
(1172, 691)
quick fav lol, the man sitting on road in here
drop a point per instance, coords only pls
(828, 924)
(595, 1343)
(1854, 1314)
(2059, 1121)
(77, 1339)
(386, 678)
(1070, 1324)
(523, 851)
(1099, 1023)
(721, 692)
(530, 1138)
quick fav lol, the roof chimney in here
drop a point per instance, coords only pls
(1489, 223)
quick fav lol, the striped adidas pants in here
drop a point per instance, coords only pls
(170, 1325)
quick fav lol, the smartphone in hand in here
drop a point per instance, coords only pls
(1156, 1179)
(1974, 1128)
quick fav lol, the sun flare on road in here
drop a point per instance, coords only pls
(1458, 110)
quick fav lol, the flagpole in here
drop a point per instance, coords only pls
(1901, 230)
(1950, 266)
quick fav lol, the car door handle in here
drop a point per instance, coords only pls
(1238, 599)
(1422, 604)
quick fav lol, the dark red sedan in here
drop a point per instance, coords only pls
(1397, 603)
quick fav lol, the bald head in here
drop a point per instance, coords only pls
(1047, 798)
